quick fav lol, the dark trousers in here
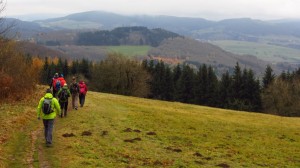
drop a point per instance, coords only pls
(48, 125)
(64, 108)
(81, 99)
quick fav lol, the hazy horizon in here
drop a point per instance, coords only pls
(210, 10)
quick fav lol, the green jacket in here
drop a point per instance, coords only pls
(54, 105)
(60, 90)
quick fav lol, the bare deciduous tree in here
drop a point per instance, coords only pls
(4, 27)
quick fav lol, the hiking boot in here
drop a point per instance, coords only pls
(48, 145)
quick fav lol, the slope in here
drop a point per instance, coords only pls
(120, 131)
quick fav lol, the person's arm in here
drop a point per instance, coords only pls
(57, 106)
(39, 108)
(69, 93)
(51, 83)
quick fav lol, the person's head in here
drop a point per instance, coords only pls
(74, 79)
(48, 90)
(65, 85)
(56, 75)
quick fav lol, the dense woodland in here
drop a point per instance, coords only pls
(239, 90)
(125, 36)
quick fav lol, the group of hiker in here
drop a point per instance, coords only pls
(55, 101)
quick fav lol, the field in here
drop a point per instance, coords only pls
(265, 52)
(120, 131)
(100, 52)
(130, 50)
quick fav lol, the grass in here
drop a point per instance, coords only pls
(18, 120)
(134, 132)
(130, 50)
(120, 131)
(266, 52)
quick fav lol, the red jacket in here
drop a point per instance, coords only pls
(82, 88)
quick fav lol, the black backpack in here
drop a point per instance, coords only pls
(63, 96)
(47, 106)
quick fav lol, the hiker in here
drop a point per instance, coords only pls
(47, 109)
(53, 84)
(62, 80)
(59, 83)
(63, 95)
(82, 93)
(74, 88)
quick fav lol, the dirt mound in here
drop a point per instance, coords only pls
(151, 133)
(86, 133)
(133, 140)
(68, 135)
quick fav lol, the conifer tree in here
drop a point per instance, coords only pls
(65, 69)
(268, 77)
(225, 91)
(186, 85)
(168, 85)
(176, 76)
(212, 87)
(46, 72)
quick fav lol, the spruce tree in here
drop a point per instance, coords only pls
(186, 85)
(225, 91)
(268, 77)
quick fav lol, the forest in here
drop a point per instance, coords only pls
(125, 36)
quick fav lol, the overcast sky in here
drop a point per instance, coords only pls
(208, 9)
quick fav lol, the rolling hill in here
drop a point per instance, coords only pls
(120, 131)
(276, 42)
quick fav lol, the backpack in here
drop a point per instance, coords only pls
(47, 106)
(63, 95)
(75, 88)
(57, 85)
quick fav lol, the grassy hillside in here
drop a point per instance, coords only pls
(99, 52)
(120, 131)
(130, 50)
(271, 53)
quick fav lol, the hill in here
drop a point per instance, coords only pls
(197, 52)
(33, 49)
(119, 131)
(278, 42)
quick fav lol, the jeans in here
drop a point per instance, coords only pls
(81, 99)
(48, 125)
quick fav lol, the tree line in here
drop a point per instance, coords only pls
(238, 90)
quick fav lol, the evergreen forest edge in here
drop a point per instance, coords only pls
(240, 90)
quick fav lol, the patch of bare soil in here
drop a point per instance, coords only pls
(151, 133)
(223, 165)
(38, 148)
(104, 133)
(173, 149)
(86, 133)
(133, 140)
(68, 135)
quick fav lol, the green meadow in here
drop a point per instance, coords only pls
(121, 131)
(271, 53)
(130, 50)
